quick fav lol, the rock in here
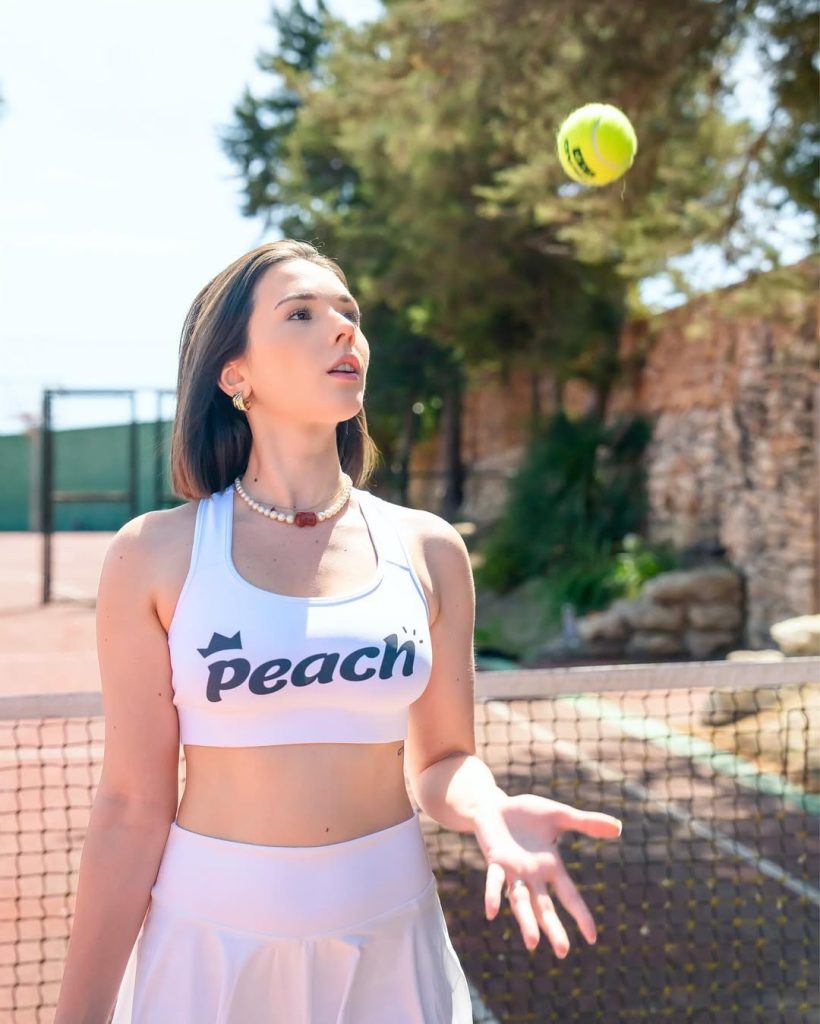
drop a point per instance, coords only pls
(624, 606)
(606, 625)
(723, 617)
(655, 643)
(798, 637)
(556, 647)
(766, 655)
(705, 643)
(605, 648)
(668, 588)
(649, 617)
(711, 583)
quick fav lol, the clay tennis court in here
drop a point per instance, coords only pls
(707, 907)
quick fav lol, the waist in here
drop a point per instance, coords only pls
(301, 795)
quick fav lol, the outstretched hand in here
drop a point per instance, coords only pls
(519, 836)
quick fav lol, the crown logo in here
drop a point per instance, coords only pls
(221, 643)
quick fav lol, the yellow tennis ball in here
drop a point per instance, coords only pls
(596, 144)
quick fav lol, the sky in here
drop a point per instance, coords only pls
(116, 201)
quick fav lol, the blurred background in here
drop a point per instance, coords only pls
(614, 394)
(600, 383)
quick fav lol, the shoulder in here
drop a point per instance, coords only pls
(437, 550)
(149, 550)
(154, 530)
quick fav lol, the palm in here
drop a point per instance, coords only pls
(531, 822)
(519, 839)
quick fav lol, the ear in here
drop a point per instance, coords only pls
(232, 379)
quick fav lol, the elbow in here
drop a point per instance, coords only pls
(433, 768)
(132, 810)
(421, 767)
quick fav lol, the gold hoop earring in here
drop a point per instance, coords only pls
(240, 403)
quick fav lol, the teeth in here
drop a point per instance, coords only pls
(344, 366)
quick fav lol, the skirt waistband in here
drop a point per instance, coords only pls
(292, 890)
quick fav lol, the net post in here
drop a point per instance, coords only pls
(35, 462)
(46, 485)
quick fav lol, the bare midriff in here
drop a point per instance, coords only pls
(294, 795)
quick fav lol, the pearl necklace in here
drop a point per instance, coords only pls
(298, 518)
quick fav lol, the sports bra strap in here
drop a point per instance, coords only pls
(384, 519)
(211, 527)
(384, 528)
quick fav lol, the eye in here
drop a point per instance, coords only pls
(354, 314)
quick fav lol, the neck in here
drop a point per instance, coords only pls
(293, 484)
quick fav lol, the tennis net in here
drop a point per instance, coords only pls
(706, 907)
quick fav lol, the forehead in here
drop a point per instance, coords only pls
(298, 276)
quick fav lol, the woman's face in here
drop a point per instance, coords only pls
(293, 342)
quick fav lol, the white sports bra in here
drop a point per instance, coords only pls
(251, 667)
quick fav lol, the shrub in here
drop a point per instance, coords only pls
(578, 491)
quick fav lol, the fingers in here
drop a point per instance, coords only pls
(549, 920)
(492, 890)
(521, 904)
(591, 823)
(534, 909)
(573, 902)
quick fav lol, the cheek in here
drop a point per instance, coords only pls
(284, 354)
(287, 372)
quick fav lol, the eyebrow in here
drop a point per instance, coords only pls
(344, 297)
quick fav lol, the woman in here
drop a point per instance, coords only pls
(305, 641)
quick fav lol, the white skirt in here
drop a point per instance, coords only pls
(348, 933)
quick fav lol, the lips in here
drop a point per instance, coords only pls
(346, 376)
(353, 360)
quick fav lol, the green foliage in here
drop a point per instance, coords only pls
(594, 578)
(420, 148)
(572, 519)
(406, 370)
(585, 582)
(638, 562)
(786, 35)
(260, 140)
(577, 492)
(590, 581)
(419, 151)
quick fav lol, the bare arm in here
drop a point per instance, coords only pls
(136, 799)
(518, 835)
(449, 781)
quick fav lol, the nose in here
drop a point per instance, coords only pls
(346, 328)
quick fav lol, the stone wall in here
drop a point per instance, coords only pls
(733, 462)
(733, 466)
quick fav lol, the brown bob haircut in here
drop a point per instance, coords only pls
(211, 440)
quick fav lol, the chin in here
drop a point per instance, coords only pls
(354, 402)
